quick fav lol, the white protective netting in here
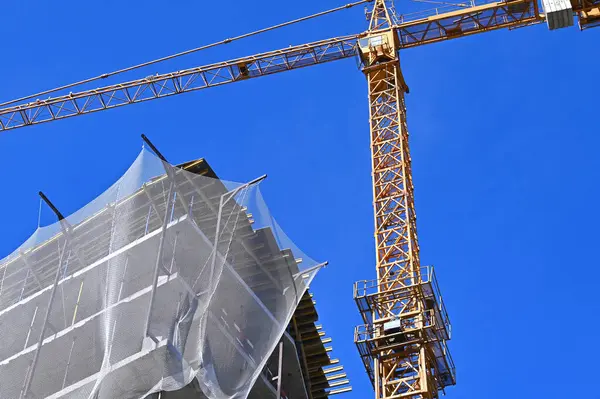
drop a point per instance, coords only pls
(115, 303)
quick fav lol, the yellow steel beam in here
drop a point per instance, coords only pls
(450, 23)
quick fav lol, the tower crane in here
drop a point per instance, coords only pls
(403, 341)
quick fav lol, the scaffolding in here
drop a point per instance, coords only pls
(171, 282)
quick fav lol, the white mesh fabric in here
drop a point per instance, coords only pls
(226, 285)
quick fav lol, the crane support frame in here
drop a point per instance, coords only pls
(400, 369)
(403, 341)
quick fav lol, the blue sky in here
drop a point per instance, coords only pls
(504, 131)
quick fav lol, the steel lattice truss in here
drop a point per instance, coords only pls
(395, 226)
(405, 331)
(413, 30)
(170, 84)
(458, 23)
(395, 221)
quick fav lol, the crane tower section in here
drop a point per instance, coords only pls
(403, 340)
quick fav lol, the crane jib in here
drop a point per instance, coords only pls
(439, 24)
(165, 85)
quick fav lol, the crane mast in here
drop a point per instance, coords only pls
(399, 341)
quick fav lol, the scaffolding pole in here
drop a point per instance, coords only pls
(38, 348)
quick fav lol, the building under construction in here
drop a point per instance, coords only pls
(171, 284)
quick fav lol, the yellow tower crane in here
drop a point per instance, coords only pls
(403, 341)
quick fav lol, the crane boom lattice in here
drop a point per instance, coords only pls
(170, 84)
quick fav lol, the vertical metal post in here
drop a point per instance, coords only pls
(77, 304)
(30, 327)
(159, 255)
(123, 278)
(148, 217)
(168, 214)
(216, 244)
(24, 285)
(38, 348)
(45, 324)
(68, 363)
(280, 370)
(304, 367)
(169, 169)
(222, 201)
(173, 256)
